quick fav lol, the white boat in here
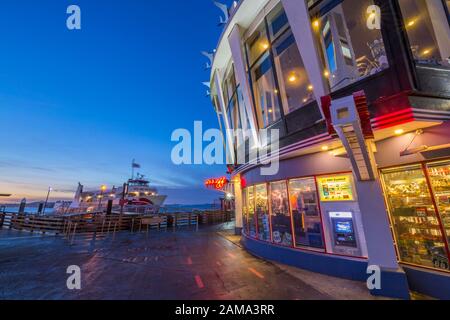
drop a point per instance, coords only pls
(135, 196)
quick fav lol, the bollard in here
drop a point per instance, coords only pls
(73, 235)
(114, 233)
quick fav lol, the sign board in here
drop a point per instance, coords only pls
(217, 184)
(335, 188)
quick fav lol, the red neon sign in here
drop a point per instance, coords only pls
(217, 184)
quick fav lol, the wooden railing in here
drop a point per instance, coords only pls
(95, 222)
(115, 222)
(215, 217)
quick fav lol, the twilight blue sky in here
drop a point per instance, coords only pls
(80, 105)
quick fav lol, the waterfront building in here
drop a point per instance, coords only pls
(360, 93)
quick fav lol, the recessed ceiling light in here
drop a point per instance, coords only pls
(399, 132)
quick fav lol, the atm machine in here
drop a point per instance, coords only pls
(341, 216)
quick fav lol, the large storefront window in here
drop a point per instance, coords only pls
(351, 42)
(251, 212)
(280, 219)
(262, 212)
(414, 219)
(305, 213)
(428, 31)
(440, 180)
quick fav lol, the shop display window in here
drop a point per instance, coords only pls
(440, 181)
(245, 212)
(305, 213)
(427, 27)
(280, 216)
(351, 41)
(262, 212)
(414, 219)
(251, 212)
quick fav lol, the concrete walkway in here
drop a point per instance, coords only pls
(208, 264)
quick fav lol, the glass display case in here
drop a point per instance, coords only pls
(244, 212)
(262, 212)
(440, 181)
(413, 216)
(280, 216)
(305, 213)
(252, 232)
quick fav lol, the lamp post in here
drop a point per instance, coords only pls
(102, 189)
(46, 200)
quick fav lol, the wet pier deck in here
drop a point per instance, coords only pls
(185, 264)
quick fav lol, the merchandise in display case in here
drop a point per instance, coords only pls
(440, 180)
(305, 213)
(244, 212)
(262, 212)
(414, 220)
(251, 212)
(280, 218)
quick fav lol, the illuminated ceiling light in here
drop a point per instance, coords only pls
(292, 77)
(276, 91)
(325, 148)
(399, 132)
(310, 87)
(426, 52)
(326, 73)
(270, 110)
(305, 100)
(264, 45)
(316, 23)
(411, 23)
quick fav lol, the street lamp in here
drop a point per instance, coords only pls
(102, 189)
(46, 199)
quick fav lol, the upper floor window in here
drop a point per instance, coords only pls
(229, 85)
(351, 42)
(265, 92)
(277, 69)
(257, 44)
(427, 27)
(295, 88)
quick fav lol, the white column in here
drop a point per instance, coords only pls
(377, 232)
(235, 42)
(238, 203)
(301, 25)
(228, 136)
